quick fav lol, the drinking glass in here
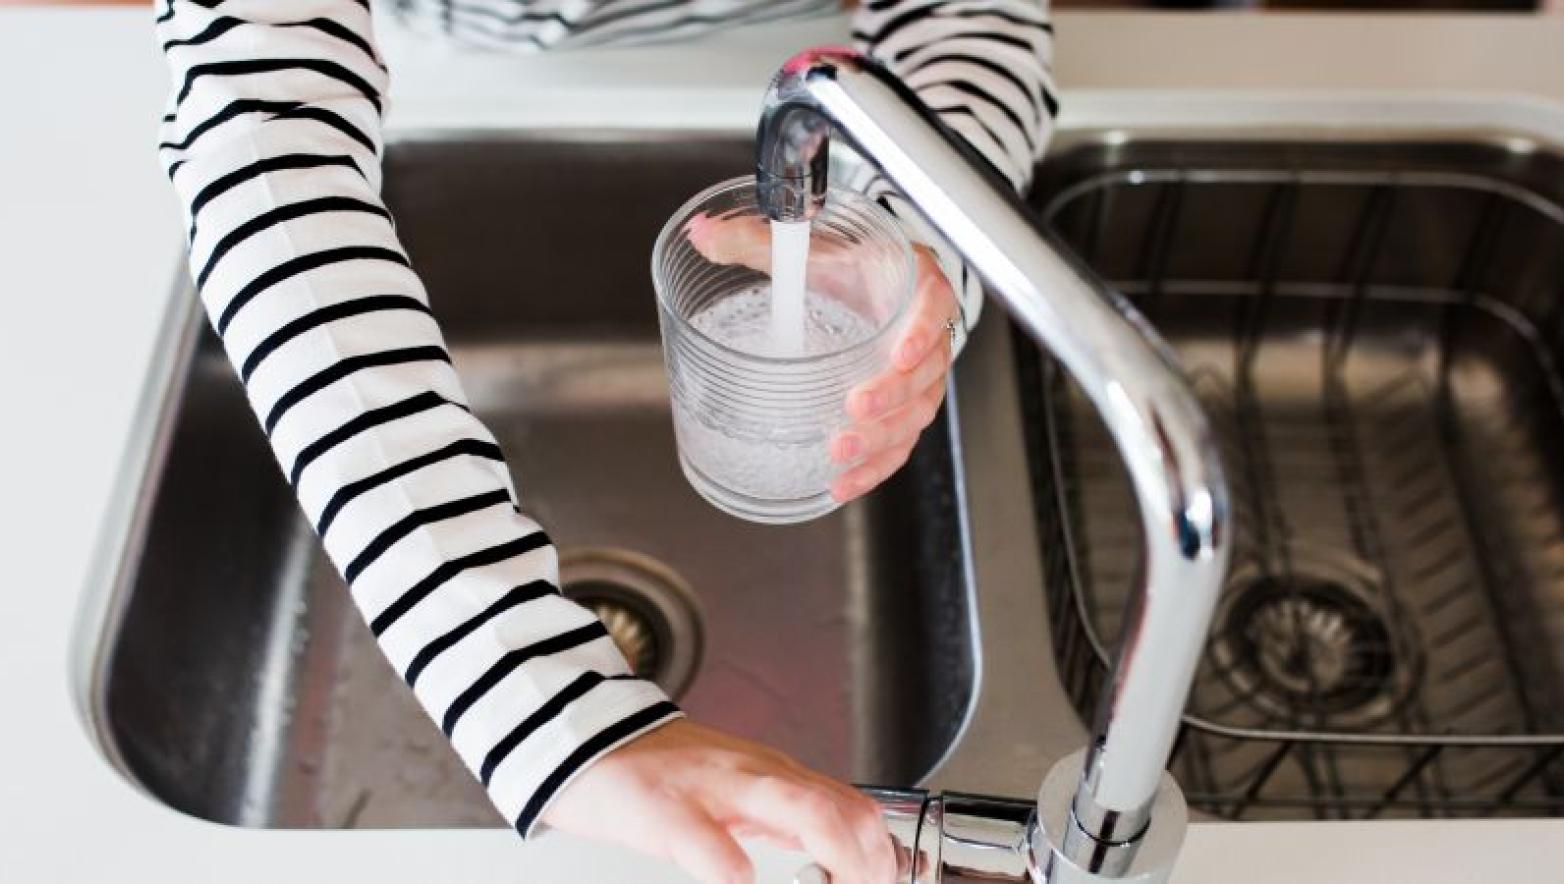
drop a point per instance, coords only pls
(753, 424)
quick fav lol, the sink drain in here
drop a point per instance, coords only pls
(1316, 647)
(649, 611)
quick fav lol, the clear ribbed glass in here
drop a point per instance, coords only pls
(754, 427)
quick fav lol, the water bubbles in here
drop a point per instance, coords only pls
(743, 321)
(780, 456)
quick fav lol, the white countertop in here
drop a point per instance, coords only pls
(89, 244)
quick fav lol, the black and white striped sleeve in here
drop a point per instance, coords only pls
(272, 141)
(985, 67)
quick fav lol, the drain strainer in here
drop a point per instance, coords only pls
(649, 611)
(1316, 647)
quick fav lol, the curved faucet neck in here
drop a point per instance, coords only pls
(1115, 356)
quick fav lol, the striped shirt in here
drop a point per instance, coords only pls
(272, 140)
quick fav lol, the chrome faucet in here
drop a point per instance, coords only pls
(1109, 812)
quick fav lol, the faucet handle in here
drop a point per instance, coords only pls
(912, 827)
(951, 837)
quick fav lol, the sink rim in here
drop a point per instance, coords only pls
(121, 542)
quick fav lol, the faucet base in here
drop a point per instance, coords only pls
(1062, 852)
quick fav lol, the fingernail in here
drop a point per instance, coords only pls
(695, 228)
(911, 347)
(873, 402)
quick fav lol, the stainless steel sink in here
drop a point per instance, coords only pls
(1374, 328)
(1376, 332)
(239, 684)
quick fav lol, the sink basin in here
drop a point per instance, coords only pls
(239, 684)
(1376, 332)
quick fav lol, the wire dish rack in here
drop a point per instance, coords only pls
(1375, 334)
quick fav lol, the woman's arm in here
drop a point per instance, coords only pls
(272, 141)
(984, 67)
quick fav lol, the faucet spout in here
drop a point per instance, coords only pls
(1124, 368)
(792, 147)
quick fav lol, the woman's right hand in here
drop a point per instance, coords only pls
(686, 793)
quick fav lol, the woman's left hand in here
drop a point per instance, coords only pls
(888, 411)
